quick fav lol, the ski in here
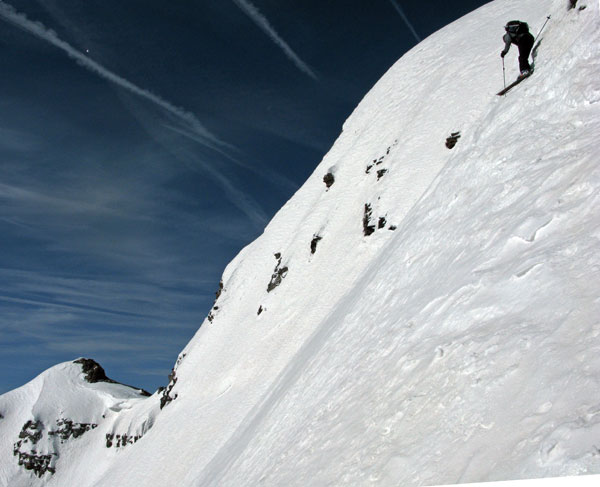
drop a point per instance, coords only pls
(513, 84)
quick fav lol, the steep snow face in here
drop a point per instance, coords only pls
(460, 346)
(414, 314)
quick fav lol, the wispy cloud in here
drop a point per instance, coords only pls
(120, 320)
(406, 20)
(107, 300)
(17, 141)
(10, 14)
(25, 198)
(186, 155)
(68, 306)
(261, 21)
(190, 126)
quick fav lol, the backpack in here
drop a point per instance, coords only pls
(516, 28)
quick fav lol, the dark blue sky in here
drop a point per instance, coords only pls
(144, 143)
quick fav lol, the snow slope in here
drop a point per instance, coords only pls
(446, 327)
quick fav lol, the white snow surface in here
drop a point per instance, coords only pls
(458, 343)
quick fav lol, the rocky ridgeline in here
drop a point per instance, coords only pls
(95, 373)
(167, 395)
(215, 308)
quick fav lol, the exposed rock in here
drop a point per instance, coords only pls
(26, 450)
(328, 179)
(314, 242)
(39, 464)
(452, 140)
(368, 228)
(278, 274)
(377, 162)
(30, 460)
(260, 310)
(118, 440)
(219, 291)
(31, 431)
(166, 397)
(212, 313)
(93, 371)
(68, 429)
(381, 222)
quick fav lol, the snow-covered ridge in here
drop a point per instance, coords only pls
(415, 314)
(41, 419)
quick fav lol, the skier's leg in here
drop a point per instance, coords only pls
(525, 47)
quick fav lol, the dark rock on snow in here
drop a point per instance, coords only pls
(314, 242)
(278, 275)
(95, 373)
(368, 228)
(452, 140)
(328, 179)
(68, 429)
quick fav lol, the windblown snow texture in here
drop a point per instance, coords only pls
(456, 340)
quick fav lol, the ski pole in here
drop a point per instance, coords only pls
(536, 37)
(504, 72)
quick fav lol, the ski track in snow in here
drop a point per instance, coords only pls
(462, 346)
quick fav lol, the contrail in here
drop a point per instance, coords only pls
(10, 14)
(406, 21)
(261, 21)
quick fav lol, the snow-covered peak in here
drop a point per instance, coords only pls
(424, 310)
(40, 419)
(63, 382)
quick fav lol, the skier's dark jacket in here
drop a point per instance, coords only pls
(516, 33)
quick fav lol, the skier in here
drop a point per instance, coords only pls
(517, 32)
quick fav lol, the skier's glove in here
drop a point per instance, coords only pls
(502, 54)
